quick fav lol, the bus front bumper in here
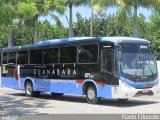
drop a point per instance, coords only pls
(125, 91)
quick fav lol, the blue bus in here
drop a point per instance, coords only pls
(94, 67)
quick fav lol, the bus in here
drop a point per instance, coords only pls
(94, 67)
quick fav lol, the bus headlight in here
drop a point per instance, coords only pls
(127, 85)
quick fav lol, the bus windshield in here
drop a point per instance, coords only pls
(138, 62)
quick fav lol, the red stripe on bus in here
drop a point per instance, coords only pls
(98, 83)
(15, 74)
(79, 81)
(101, 83)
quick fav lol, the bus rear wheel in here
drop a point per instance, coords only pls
(29, 90)
(91, 95)
(57, 94)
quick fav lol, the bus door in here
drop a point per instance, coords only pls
(108, 64)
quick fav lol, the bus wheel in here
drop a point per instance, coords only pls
(57, 94)
(91, 95)
(29, 90)
(123, 100)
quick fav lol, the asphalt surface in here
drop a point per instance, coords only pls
(15, 102)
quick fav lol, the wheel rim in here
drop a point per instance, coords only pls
(29, 89)
(91, 94)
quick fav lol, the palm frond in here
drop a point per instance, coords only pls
(57, 20)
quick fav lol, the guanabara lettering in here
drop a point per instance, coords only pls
(55, 72)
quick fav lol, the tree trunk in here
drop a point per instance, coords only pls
(35, 36)
(10, 39)
(71, 33)
(135, 27)
(91, 27)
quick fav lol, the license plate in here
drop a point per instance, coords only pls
(145, 91)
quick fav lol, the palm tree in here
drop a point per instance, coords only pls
(46, 7)
(129, 4)
(8, 18)
(38, 8)
(99, 7)
(27, 12)
(70, 4)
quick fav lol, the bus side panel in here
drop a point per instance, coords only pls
(104, 90)
(41, 84)
(57, 86)
(10, 82)
(8, 78)
(22, 82)
(72, 87)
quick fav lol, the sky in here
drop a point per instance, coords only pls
(86, 12)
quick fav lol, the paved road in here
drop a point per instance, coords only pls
(15, 102)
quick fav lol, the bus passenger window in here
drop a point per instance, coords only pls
(5, 57)
(107, 60)
(51, 56)
(22, 57)
(12, 57)
(88, 53)
(68, 54)
(36, 56)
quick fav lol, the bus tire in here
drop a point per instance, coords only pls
(29, 90)
(57, 94)
(91, 95)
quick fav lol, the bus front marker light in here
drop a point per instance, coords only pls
(153, 84)
(156, 84)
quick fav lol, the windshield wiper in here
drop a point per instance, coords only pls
(150, 69)
(135, 75)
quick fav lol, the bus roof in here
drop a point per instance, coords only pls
(124, 39)
(114, 40)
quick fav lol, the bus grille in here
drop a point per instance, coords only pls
(141, 93)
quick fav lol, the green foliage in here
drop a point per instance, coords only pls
(152, 32)
(103, 26)
(7, 12)
(27, 10)
(82, 26)
(48, 31)
(24, 34)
